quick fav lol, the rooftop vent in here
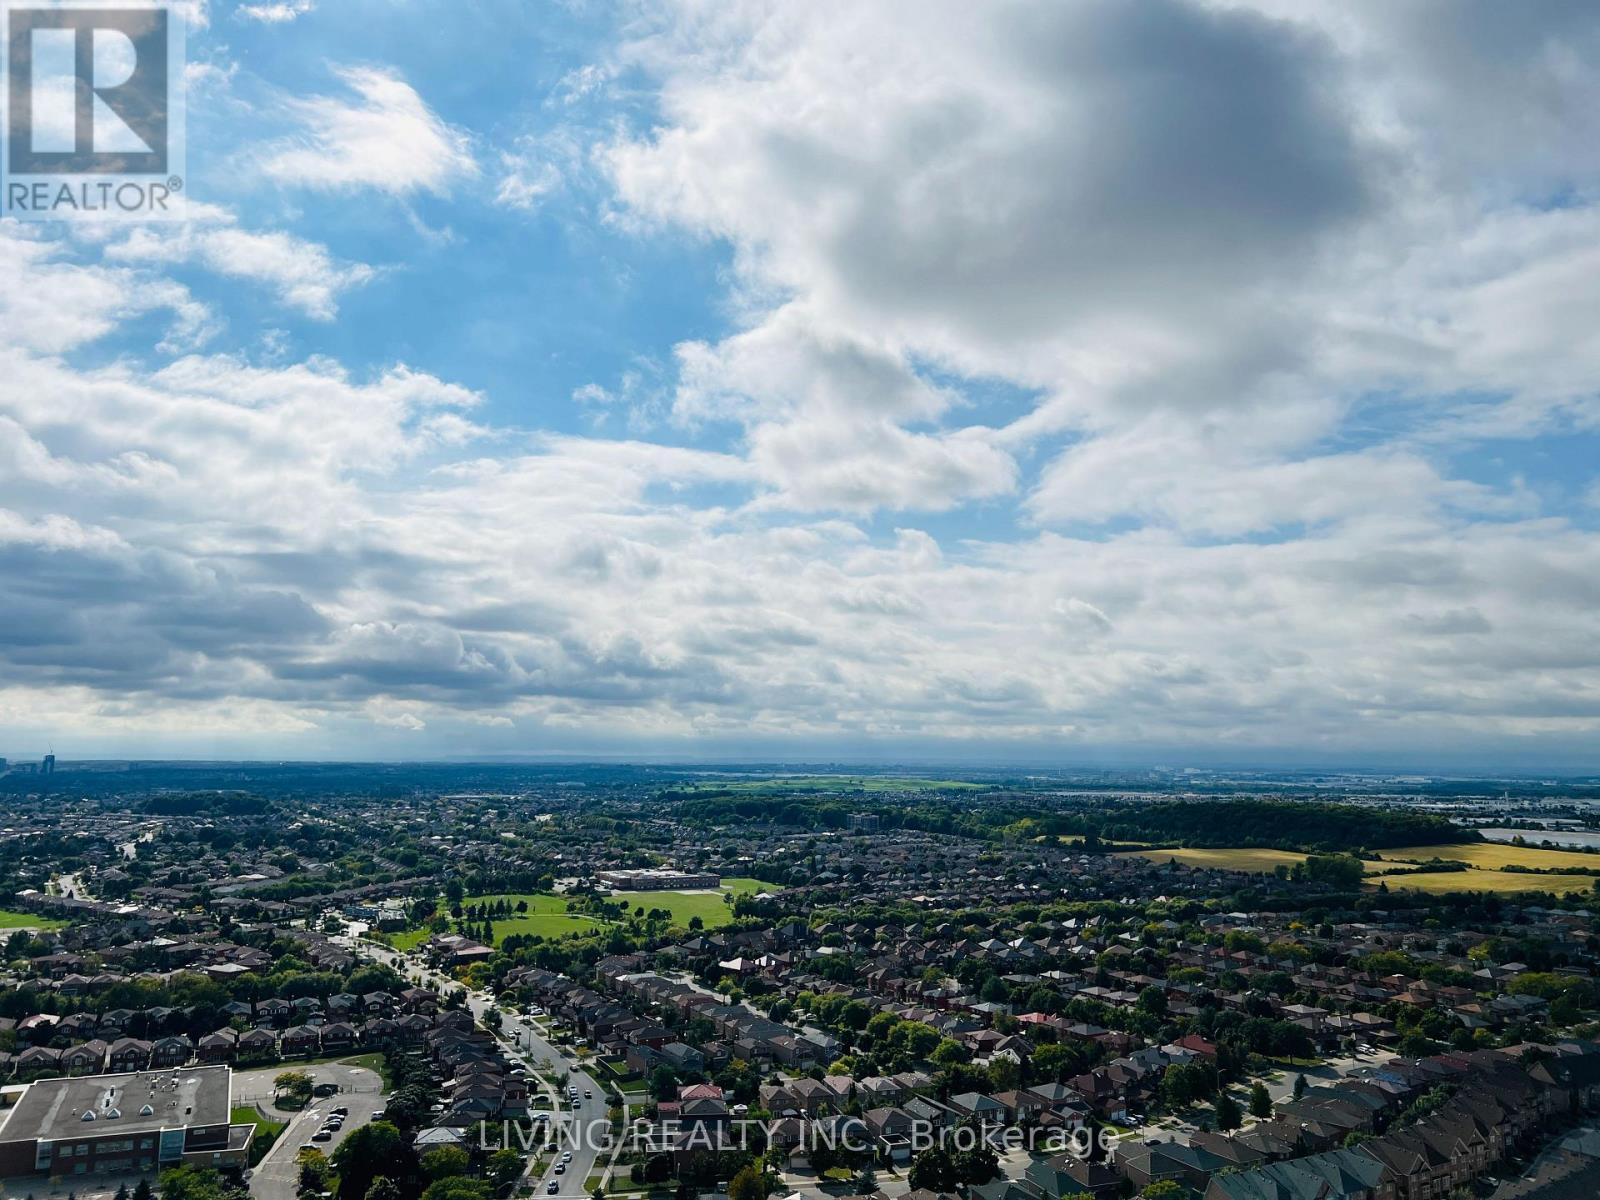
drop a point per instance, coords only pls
(147, 1111)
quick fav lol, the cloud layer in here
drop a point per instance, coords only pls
(1173, 378)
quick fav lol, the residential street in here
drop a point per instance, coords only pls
(527, 1044)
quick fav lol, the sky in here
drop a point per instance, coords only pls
(1039, 380)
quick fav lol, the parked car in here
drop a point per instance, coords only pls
(322, 1135)
(553, 1186)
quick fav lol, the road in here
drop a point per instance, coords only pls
(361, 1091)
(582, 1131)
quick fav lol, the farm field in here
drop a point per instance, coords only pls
(1495, 856)
(1509, 882)
(1253, 859)
(1485, 859)
(1242, 859)
(22, 920)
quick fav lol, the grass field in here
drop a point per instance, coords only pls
(1495, 856)
(267, 1130)
(1438, 882)
(548, 917)
(1262, 861)
(708, 906)
(22, 920)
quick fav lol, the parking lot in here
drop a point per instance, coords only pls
(360, 1090)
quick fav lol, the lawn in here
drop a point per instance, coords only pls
(267, 1130)
(708, 906)
(1437, 882)
(409, 940)
(22, 920)
(1495, 856)
(547, 916)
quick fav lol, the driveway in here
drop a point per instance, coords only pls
(360, 1090)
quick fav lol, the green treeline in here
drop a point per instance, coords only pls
(1278, 824)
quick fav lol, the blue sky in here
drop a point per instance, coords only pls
(1202, 380)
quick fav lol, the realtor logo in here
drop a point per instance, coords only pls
(93, 110)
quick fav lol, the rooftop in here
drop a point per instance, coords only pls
(140, 1101)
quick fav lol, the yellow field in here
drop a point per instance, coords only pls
(1484, 877)
(1259, 861)
(1438, 882)
(1493, 856)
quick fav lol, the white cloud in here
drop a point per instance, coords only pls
(278, 12)
(383, 137)
(1248, 287)
(304, 275)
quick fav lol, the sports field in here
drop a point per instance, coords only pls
(548, 917)
(708, 906)
(22, 920)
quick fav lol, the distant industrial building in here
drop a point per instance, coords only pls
(865, 823)
(124, 1124)
(658, 879)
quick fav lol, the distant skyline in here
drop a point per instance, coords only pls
(1042, 381)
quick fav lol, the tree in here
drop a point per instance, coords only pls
(1005, 1073)
(141, 1190)
(866, 1181)
(192, 1183)
(368, 1152)
(458, 1187)
(932, 1170)
(294, 1086)
(504, 1165)
(1163, 1189)
(1228, 1113)
(978, 1165)
(1299, 1086)
(663, 1082)
(445, 1161)
(383, 1188)
(1260, 1102)
(748, 1183)
(314, 1168)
